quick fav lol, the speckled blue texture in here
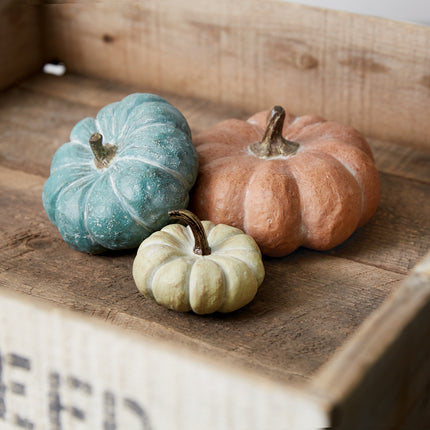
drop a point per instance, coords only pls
(117, 207)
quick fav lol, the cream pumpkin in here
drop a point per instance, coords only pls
(201, 267)
(287, 181)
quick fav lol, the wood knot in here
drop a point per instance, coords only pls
(108, 38)
(363, 64)
(425, 81)
(307, 62)
(38, 242)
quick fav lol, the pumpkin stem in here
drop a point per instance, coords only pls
(273, 143)
(103, 154)
(201, 246)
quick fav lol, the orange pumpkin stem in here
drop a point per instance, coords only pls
(201, 246)
(103, 154)
(273, 143)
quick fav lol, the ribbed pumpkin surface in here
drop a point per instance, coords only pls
(117, 206)
(314, 196)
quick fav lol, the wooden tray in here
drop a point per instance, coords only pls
(333, 339)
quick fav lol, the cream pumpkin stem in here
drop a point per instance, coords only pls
(201, 246)
(103, 154)
(273, 144)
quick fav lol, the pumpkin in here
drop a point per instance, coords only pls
(201, 266)
(112, 184)
(287, 181)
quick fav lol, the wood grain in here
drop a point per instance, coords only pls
(44, 109)
(339, 325)
(368, 72)
(408, 161)
(398, 235)
(106, 377)
(388, 358)
(21, 52)
(48, 103)
(96, 93)
(307, 306)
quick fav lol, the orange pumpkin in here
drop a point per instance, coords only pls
(286, 181)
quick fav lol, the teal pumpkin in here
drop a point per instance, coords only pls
(113, 184)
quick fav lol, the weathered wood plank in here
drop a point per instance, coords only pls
(369, 72)
(82, 374)
(44, 109)
(385, 368)
(36, 118)
(96, 93)
(33, 127)
(286, 334)
(339, 322)
(21, 52)
(408, 161)
(308, 305)
(398, 235)
(419, 417)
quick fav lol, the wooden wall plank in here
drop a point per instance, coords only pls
(21, 51)
(367, 72)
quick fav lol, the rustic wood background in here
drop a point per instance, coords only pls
(309, 303)
(216, 61)
(369, 72)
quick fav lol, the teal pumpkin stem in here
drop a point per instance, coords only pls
(273, 143)
(103, 154)
(201, 245)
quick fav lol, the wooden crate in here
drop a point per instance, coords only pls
(333, 339)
